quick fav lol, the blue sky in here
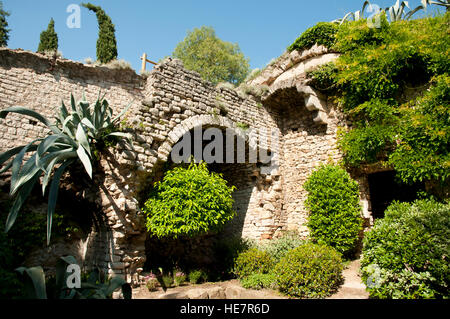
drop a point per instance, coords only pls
(263, 29)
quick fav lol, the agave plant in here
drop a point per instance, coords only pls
(70, 139)
(442, 3)
(96, 287)
(357, 15)
(397, 11)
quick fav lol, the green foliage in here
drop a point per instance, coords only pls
(323, 78)
(323, 33)
(179, 278)
(71, 139)
(4, 36)
(334, 209)
(49, 39)
(309, 271)
(96, 287)
(216, 60)
(278, 248)
(371, 80)
(259, 281)
(196, 276)
(106, 43)
(422, 152)
(405, 255)
(253, 261)
(189, 201)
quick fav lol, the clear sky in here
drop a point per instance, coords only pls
(262, 28)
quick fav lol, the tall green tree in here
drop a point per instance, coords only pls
(4, 37)
(49, 39)
(216, 60)
(106, 43)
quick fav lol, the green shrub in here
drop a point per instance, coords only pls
(168, 281)
(405, 255)
(309, 271)
(377, 67)
(253, 261)
(424, 136)
(334, 209)
(259, 281)
(324, 77)
(179, 278)
(189, 201)
(323, 33)
(278, 248)
(196, 276)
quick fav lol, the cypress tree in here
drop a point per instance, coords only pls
(106, 43)
(4, 37)
(49, 39)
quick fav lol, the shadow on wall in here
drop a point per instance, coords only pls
(294, 117)
(199, 252)
(79, 229)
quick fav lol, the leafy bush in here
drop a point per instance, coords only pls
(324, 77)
(309, 271)
(377, 68)
(259, 281)
(424, 136)
(278, 248)
(334, 209)
(189, 201)
(179, 278)
(323, 33)
(405, 255)
(253, 261)
(196, 276)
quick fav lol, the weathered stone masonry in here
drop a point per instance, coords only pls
(167, 104)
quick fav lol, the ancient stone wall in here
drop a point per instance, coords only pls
(168, 104)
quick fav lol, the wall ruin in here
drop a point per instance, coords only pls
(168, 103)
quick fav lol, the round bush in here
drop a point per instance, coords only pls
(252, 261)
(323, 33)
(189, 201)
(259, 281)
(309, 271)
(334, 209)
(405, 255)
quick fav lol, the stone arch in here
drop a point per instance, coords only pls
(184, 127)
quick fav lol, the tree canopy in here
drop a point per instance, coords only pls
(216, 60)
(4, 37)
(106, 43)
(49, 39)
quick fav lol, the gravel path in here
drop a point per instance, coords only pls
(353, 287)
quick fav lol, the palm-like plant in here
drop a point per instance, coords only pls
(397, 11)
(356, 16)
(442, 3)
(71, 138)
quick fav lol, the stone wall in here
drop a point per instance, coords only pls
(167, 104)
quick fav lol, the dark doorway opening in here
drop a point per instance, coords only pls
(384, 189)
